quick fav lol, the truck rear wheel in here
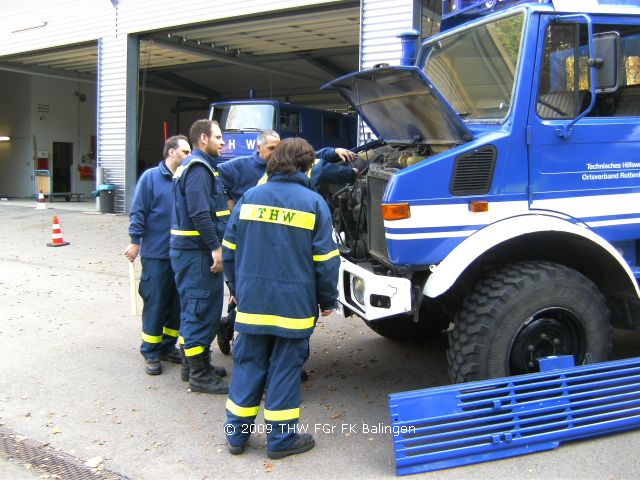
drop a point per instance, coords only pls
(525, 311)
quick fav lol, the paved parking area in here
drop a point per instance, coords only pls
(72, 377)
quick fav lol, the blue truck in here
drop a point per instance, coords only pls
(242, 120)
(501, 199)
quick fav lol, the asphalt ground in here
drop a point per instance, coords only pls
(72, 378)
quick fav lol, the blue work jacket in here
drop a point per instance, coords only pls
(150, 217)
(331, 169)
(280, 259)
(240, 174)
(200, 210)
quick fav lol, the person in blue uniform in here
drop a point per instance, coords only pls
(241, 173)
(281, 265)
(200, 216)
(150, 221)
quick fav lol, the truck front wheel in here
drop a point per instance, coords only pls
(525, 311)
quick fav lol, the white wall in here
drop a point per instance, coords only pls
(16, 156)
(34, 24)
(68, 120)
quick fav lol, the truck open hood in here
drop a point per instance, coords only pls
(401, 105)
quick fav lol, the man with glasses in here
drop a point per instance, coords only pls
(150, 222)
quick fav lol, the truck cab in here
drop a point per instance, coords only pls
(501, 198)
(242, 120)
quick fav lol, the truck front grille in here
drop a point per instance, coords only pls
(377, 241)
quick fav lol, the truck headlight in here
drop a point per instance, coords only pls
(357, 288)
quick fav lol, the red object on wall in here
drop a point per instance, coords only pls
(42, 164)
(165, 128)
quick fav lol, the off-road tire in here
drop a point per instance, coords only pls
(524, 311)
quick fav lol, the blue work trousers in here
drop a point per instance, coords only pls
(273, 362)
(161, 309)
(201, 297)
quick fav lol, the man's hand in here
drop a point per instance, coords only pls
(132, 251)
(326, 313)
(345, 155)
(217, 260)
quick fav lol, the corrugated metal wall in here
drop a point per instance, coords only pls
(380, 22)
(36, 24)
(138, 16)
(112, 113)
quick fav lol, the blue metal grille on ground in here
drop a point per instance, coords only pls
(446, 427)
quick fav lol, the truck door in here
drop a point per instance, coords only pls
(589, 170)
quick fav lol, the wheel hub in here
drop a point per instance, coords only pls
(552, 331)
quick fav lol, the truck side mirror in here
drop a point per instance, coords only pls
(606, 56)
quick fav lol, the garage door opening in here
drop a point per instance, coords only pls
(61, 167)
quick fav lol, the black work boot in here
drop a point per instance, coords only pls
(303, 443)
(219, 371)
(152, 366)
(184, 368)
(172, 357)
(202, 379)
(235, 449)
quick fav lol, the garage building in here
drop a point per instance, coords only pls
(90, 88)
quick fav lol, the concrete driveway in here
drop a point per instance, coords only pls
(72, 378)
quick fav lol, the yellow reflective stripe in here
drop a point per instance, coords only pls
(229, 245)
(326, 256)
(181, 340)
(281, 415)
(151, 338)
(170, 331)
(216, 174)
(239, 411)
(263, 179)
(190, 352)
(281, 216)
(223, 213)
(185, 233)
(275, 321)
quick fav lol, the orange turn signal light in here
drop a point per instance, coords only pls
(478, 206)
(395, 211)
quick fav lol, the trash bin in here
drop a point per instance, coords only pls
(106, 192)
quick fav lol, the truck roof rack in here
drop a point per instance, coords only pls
(474, 8)
(455, 12)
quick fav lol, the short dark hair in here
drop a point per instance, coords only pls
(290, 156)
(198, 128)
(172, 142)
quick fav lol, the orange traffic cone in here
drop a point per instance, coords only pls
(56, 237)
(41, 203)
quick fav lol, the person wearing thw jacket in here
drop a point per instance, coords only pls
(281, 265)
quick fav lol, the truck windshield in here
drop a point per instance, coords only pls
(244, 116)
(475, 69)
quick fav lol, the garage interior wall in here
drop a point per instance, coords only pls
(37, 111)
(16, 156)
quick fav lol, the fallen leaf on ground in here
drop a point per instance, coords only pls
(93, 462)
